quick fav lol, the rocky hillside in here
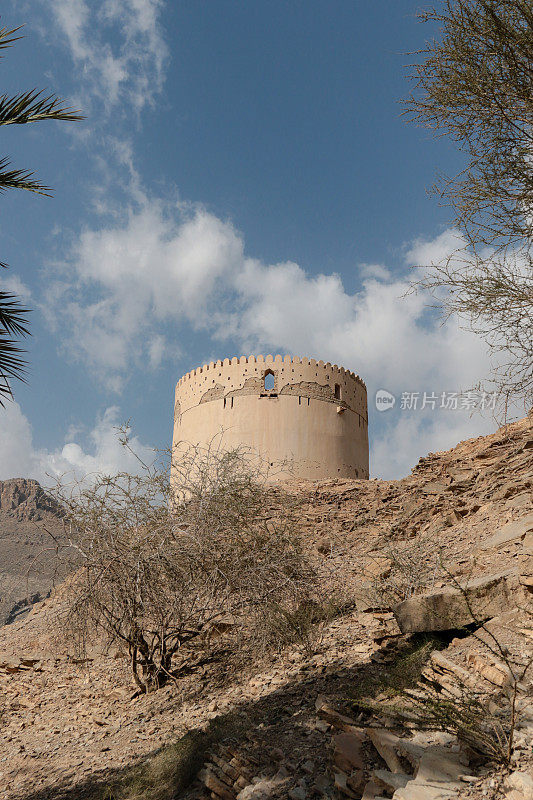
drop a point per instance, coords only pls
(434, 568)
(27, 565)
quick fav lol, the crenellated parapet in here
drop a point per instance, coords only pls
(304, 377)
(312, 362)
(308, 415)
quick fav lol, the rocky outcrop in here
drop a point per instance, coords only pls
(512, 532)
(289, 730)
(29, 518)
(457, 606)
(25, 500)
(421, 767)
(24, 606)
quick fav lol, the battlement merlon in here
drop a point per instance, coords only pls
(306, 377)
(264, 359)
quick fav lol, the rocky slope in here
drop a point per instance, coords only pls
(27, 565)
(290, 725)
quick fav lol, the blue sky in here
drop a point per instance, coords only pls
(244, 182)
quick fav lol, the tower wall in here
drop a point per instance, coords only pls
(314, 419)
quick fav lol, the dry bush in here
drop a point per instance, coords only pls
(459, 710)
(474, 84)
(185, 554)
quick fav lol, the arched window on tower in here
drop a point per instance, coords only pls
(269, 381)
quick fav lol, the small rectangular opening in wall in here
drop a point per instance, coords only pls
(308, 401)
(337, 391)
(232, 402)
(299, 401)
(224, 402)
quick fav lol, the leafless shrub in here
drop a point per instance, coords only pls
(460, 710)
(183, 555)
(473, 83)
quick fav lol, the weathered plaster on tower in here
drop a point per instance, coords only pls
(314, 417)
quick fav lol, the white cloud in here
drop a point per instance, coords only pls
(380, 331)
(13, 284)
(378, 271)
(139, 280)
(156, 265)
(20, 458)
(161, 266)
(156, 349)
(116, 45)
(425, 252)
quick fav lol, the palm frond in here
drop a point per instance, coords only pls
(32, 106)
(20, 179)
(7, 38)
(12, 323)
(12, 366)
(13, 315)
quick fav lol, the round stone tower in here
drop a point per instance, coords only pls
(309, 416)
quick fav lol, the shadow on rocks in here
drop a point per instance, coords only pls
(278, 727)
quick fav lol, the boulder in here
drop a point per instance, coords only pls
(341, 785)
(219, 787)
(449, 608)
(496, 672)
(526, 580)
(371, 791)
(391, 781)
(527, 544)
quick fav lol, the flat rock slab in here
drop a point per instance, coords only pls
(440, 765)
(372, 791)
(519, 786)
(424, 791)
(510, 532)
(454, 607)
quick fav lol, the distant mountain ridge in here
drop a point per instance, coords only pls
(28, 566)
(25, 500)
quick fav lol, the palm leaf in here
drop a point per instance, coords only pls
(7, 38)
(13, 323)
(19, 179)
(32, 107)
(12, 366)
(12, 315)
(19, 109)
